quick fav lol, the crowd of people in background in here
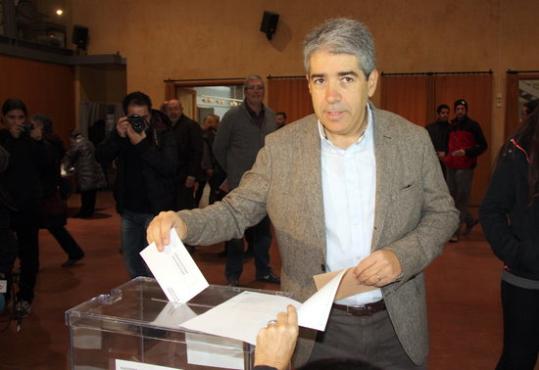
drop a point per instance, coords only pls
(164, 163)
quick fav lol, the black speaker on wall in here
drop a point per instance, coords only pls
(80, 37)
(269, 24)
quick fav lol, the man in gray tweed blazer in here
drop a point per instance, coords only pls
(351, 186)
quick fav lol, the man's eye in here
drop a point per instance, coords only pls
(347, 79)
(318, 81)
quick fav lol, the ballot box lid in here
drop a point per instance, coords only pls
(141, 302)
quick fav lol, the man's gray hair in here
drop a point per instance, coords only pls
(251, 78)
(342, 36)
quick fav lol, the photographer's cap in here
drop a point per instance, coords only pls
(461, 102)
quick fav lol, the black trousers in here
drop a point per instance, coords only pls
(28, 252)
(66, 241)
(259, 236)
(520, 328)
(186, 198)
(215, 194)
(87, 200)
(8, 251)
(8, 254)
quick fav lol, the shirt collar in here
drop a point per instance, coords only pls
(251, 112)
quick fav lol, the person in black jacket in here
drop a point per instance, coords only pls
(439, 133)
(53, 210)
(22, 181)
(188, 135)
(8, 244)
(147, 165)
(209, 128)
(509, 215)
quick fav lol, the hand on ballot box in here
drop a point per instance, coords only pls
(158, 231)
(275, 343)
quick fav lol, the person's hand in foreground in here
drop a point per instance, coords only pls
(158, 231)
(276, 342)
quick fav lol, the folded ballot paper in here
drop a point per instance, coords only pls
(181, 279)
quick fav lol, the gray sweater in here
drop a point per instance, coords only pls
(238, 141)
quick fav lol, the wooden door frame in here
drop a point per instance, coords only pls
(511, 98)
(172, 85)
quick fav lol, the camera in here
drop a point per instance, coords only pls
(138, 123)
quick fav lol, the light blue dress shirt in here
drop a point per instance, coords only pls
(349, 191)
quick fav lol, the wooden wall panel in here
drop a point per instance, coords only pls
(290, 95)
(408, 96)
(513, 105)
(45, 88)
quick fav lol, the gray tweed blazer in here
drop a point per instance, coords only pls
(414, 215)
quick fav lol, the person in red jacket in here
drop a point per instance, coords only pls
(465, 143)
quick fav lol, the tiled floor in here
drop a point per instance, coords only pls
(463, 302)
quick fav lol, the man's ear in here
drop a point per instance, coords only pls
(372, 82)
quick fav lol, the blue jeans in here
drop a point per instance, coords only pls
(134, 226)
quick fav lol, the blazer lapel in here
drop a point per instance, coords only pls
(313, 194)
(386, 158)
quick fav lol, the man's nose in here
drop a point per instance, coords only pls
(333, 93)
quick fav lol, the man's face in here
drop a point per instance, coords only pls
(280, 120)
(14, 120)
(340, 92)
(443, 115)
(174, 110)
(460, 111)
(139, 110)
(254, 92)
(210, 122)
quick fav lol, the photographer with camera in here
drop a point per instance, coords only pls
(145, 148)
(21, 181)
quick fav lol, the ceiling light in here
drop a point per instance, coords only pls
(59, 11)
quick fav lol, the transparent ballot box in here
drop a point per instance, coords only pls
(135, 327)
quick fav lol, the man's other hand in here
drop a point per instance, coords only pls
(276, 342)
(158, 231)
(382, 267)
(121, 126)
(459, 153)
